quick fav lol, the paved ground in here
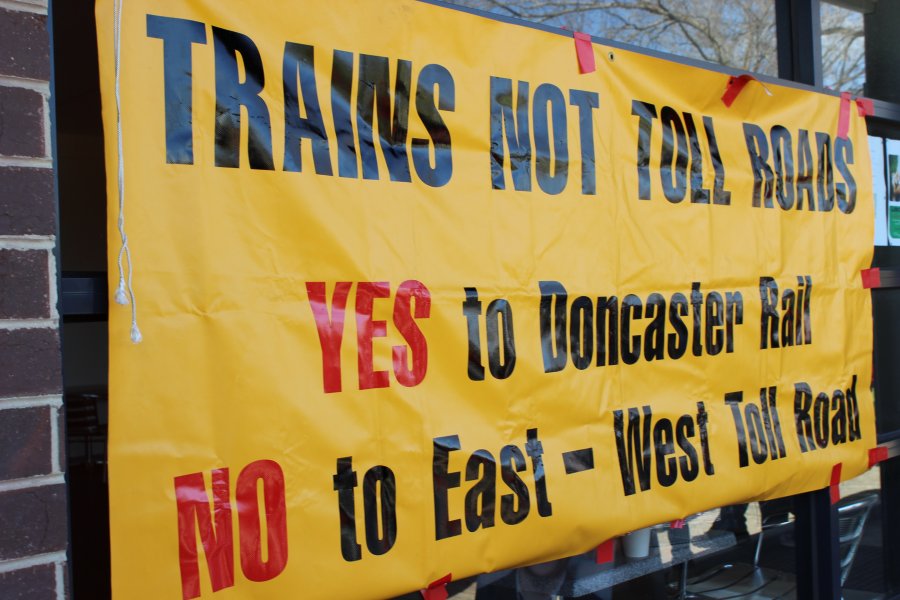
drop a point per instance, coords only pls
(466, 594)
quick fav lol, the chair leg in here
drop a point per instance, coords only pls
(759, 542)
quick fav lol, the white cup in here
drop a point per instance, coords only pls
(637, 543)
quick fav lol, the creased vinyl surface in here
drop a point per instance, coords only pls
(417, 297)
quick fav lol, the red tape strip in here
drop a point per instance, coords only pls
(835, 483)
(585, 51)
(865, 107)
(844, 116)
(437, 590)
(871, 278)
(606, 552)
(876, 455)
(677, 524)
(734, 87)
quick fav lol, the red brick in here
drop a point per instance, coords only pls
(25, 281)
(25, 442)
(27, 204)
(30, 362)
(35, 583)
(21, 122)
(24, 45)
(33, 521)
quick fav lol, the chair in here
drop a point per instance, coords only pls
(853, 512)
(740, 580)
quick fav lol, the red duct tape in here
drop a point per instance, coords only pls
(734, 87)
(865, 107)
(876, 455)
(606, 552)
(844, 116)
(834, 488)
(585, 52)
(437, 590)
(871, 278)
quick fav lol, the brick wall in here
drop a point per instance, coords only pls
(33, 519)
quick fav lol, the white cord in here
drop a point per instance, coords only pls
(121, 297)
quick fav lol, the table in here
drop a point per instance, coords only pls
(580, 575)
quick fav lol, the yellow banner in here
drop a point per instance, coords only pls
(419, 297)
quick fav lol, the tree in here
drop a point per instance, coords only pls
(737, 33)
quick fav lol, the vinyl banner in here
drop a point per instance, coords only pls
(422, 292)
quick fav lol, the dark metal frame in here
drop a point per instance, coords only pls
(818, 554)
(798, 30)
(83, 296)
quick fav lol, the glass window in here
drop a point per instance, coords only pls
(860, 526)
(739, 34)
(843, 48)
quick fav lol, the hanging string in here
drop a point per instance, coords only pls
(125, 291)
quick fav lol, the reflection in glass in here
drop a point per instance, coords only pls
(738, 33)
(843, 49)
